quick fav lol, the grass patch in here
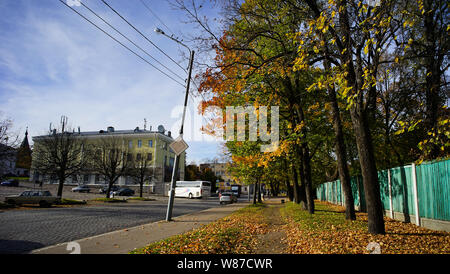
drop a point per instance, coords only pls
(327, 232)
(326, 217)
(141, 199)
(109, 200)
(22, 179)
(234, 234)
(65, 201)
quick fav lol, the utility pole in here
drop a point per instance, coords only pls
(177, 157)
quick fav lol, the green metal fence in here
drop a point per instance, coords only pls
(421, 191)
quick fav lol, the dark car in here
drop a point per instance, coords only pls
(124, 192)
(82, 188)
(105, 188)
(10, 182)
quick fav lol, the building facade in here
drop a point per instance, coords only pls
(153, 145)
(221, 170)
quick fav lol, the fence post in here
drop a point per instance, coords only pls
(391, 208)
(359, 192)
(416, 196)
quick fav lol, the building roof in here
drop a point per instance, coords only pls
(112, 132)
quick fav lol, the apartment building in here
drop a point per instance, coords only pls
(154, 145)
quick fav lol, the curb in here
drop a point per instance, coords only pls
(184, 226)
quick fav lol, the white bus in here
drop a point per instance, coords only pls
(192, 189)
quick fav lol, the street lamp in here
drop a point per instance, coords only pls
(177, 156)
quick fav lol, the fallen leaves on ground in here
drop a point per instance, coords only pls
(327, 232)
(235, 234)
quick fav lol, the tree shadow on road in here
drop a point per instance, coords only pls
(18, 246)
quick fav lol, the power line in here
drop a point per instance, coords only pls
(145, 37)
(139, 56)
(148, 54)
(156, 16)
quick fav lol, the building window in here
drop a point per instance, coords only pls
(130, 144)
(130, 157)
(150, 143)
(86, 178)
(149, 157)
(139, 143)
(138, 157)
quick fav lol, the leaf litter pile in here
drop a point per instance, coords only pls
(324, 232)
(327, 232)
(234, 234)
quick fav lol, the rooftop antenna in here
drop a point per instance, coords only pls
(63, 122)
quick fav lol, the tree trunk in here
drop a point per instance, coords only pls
(259, 193)
(296, 189)
(344, 174)
(254, 192)
(361, 128)
(341, 153)
(141, 187)
(110, 183)
(61, 180)
(308, 181)
(289, 191)
(369, 172)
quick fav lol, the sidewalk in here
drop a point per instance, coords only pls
(125, 240)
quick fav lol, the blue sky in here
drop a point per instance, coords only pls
(53, 63)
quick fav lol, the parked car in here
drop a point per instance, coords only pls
(124, 192)
(227, 197)
(105, 188)
(10, 182)
(42, 197)
(81, 188)
(235, 193)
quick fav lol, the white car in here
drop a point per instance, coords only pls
(42, 197)
(227, 197)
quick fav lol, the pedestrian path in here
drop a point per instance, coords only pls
(125, 240)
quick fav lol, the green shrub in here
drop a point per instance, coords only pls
(109, 200)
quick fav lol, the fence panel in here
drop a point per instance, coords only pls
(384, 188)
(433, 184)
(433, 190)
(402, 190)
(355, 192)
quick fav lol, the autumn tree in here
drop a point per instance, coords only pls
(8, 143)
(61, 154)
(423, 42)
(140, 170)
(111, 159)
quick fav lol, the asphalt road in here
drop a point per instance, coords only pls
(23, 230)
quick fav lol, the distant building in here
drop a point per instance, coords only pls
(154, 145)
(220, 170)
(23, 156)
(15, 161)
